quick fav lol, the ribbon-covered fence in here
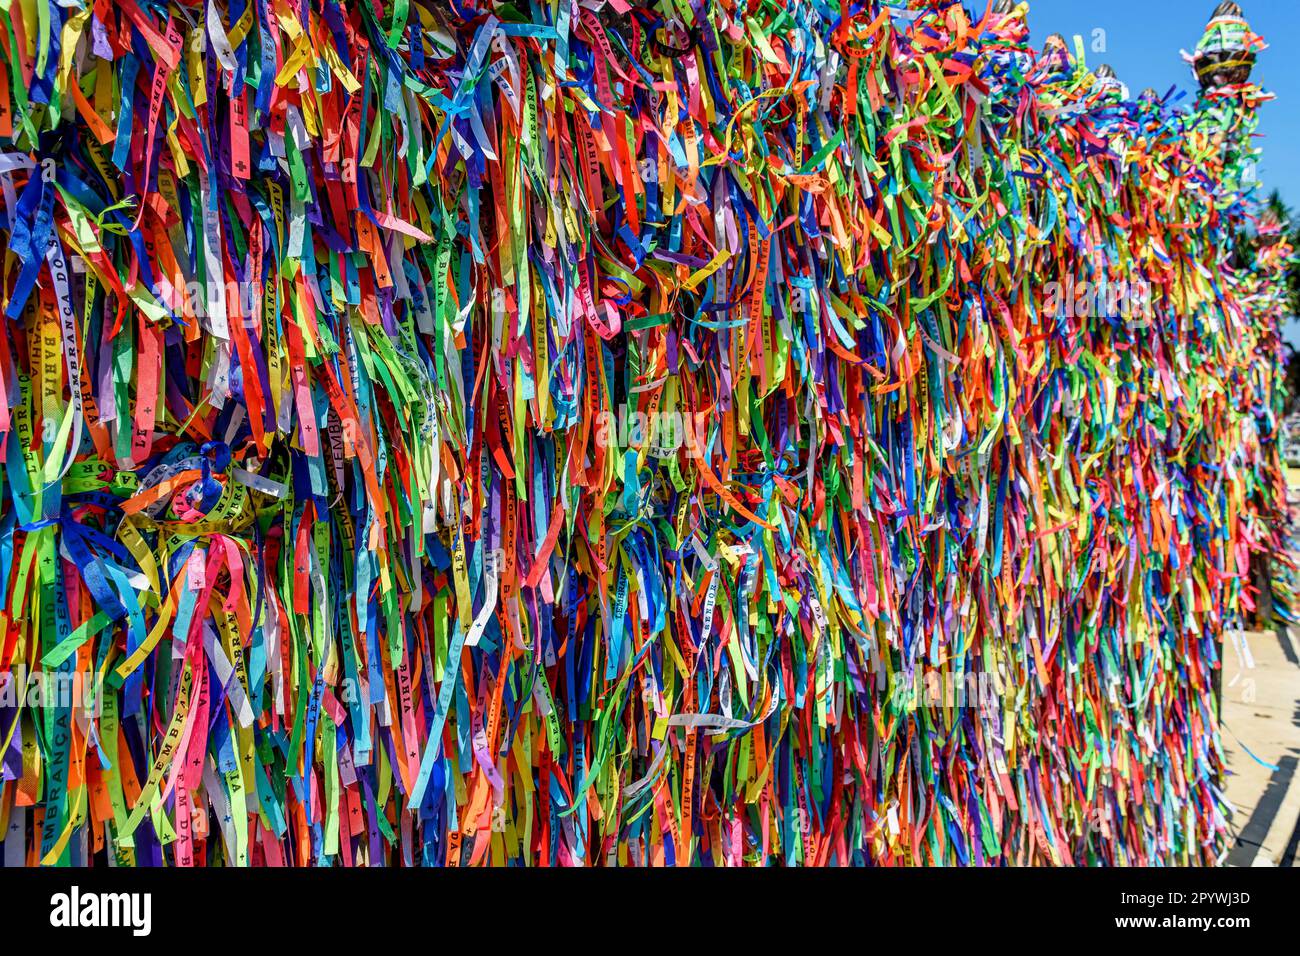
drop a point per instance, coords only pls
(707, 432)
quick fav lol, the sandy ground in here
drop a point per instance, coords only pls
(1261, 717)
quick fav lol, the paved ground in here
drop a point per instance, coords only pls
(1261, 720)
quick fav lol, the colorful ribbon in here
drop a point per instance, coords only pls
(723, 433)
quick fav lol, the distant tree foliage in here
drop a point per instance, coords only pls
(1282, 213)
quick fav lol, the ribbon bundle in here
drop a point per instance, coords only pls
(741, 432)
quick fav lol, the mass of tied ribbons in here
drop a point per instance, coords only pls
(552, 433)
